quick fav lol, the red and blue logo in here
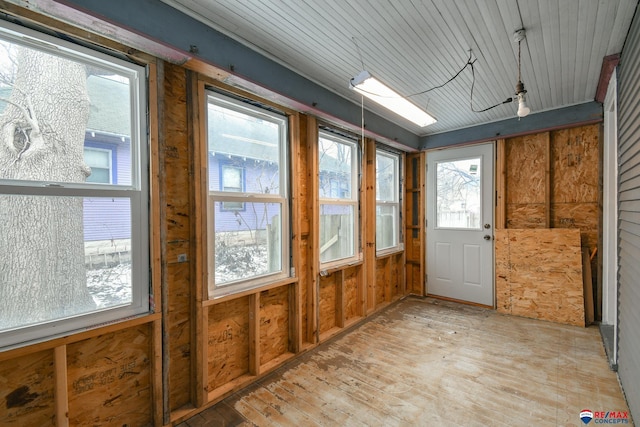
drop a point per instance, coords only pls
(604, 417)
(586, 416)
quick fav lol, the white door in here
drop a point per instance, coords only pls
(460, 224)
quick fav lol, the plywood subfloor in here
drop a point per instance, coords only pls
(426, 362)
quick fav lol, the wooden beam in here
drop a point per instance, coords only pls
(501, 185)
(313, 291)
(61, 387)
(368, 203)
(609, 64)
(297, 244)
(548, 189)
(254, 334)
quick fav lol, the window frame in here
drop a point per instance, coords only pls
(137, 191)
(282, 198)
(396, 202)
(353, 201)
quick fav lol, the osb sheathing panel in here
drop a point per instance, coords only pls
(175, 183)
(525, 171)
(179, 334)
(26, 390)
(351, 293)
(382, 280)
(396, 275)
(109, 379)
(274, 323)
(583, 216)
(539, 274)
(228, 341)
(327, 306)
(414, 279)
(575, 164)
(525, 215)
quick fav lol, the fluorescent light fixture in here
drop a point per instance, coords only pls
(377, 91)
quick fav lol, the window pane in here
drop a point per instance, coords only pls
(336, 168)
(458, 194)
(84, 262)
(243, 138)
(336, 232)
(247, 244)
(387, 225)
(92, 105)
(387, 181)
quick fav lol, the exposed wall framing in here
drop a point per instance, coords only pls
(545, 181)
(415, 245)
(162, 368)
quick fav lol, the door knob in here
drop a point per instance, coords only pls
(487, 237)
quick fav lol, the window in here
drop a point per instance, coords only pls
(248, 208)
(232, 179)
(60, 205)
(387, 201)
(99, 162)
(338, 169)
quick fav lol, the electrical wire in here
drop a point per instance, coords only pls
(473, 83)
(469, 63)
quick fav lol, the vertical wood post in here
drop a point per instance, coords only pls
(368, 203)
(61, 389)
(501, 184)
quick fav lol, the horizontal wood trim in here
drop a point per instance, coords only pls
(253, 291)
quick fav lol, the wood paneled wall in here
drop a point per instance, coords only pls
(162, 368)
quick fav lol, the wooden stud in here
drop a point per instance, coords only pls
(313, 314)
(298, 246)
(547, 179)
(196, 106)
(368, 203)
(61, 392)
(340, 299)
(254, 334)
(501, 185)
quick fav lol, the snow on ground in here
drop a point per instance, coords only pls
(110, 286)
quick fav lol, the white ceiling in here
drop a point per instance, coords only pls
(415, 45)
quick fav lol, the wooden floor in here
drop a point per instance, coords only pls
(423, 362)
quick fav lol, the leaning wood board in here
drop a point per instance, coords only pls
(539, 274)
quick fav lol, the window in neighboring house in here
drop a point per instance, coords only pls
(338, 166)
(73, 252)
(248, 210)
(387, 201)
(99, 161)
(232, 179)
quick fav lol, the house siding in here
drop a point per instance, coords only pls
(629, 220)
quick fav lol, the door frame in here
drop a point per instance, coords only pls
(493, 199)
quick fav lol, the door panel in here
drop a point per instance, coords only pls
(460, 224)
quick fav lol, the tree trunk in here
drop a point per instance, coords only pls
(42, 272)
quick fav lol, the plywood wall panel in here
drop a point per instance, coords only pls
(396, 275)
(27, 390)
(327, 306)
(382, 280)
(582, 216)
(575, 164)
(414, 279)
(179, 321)
(109, 379)
(525, 172)
(531, 215)
(351, 293)
(274, 323)
(539, 274)
(228, 341)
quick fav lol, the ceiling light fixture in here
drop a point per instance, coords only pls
(378, 92)
(523, 108)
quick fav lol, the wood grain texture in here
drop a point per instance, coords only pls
(327, 304)
(274, 323)
(228, 341)
(109, 379)
(539, 274)
(27, 390)
(351, 299)
(429, 362)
